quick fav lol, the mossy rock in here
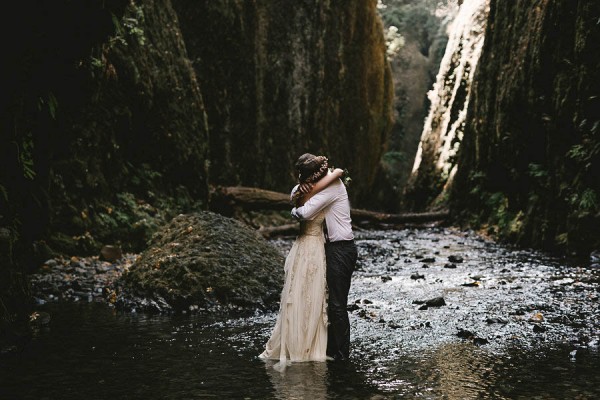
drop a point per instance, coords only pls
(210, 261)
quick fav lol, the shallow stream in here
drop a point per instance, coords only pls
(513, 324)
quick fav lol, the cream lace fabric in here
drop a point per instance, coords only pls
(300, 333)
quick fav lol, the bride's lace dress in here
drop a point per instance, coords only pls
(300, 333)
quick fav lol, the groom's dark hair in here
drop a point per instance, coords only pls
(311, 168)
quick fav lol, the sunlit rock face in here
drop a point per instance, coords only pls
(530, 158)
(416, 34)
(435, 161)
(282, 78)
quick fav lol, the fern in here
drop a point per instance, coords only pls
(577, 153)
(25, 155)
(51, 102)
(52, 105)
(588, 200)
(536, 171)
(393, 156)
(4, 193)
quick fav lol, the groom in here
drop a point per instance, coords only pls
(340, 251)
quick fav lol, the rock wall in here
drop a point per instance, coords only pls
(134, 137)
(435, 160)
(118, 129)
(99, 124)
(530, 158)
(282, 78)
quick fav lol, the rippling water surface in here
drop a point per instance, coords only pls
(399, 351)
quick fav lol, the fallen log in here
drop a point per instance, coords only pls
(359, 216)
(232, 200)
(229, 200)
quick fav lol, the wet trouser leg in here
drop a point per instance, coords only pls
(341, 261)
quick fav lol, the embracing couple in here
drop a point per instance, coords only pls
(313, 323)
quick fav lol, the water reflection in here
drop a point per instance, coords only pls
(461, 371)
(306, 380)
(320, 380)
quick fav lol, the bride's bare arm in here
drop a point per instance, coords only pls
(326, 181)
(321, 184)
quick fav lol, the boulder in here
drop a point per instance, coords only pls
(205, 261)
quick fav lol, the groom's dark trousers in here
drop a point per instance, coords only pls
(341, 261)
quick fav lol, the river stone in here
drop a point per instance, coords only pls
(210, 261)
(111, 253)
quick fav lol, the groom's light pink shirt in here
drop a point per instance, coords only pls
(334, 200)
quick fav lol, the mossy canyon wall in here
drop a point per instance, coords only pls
(129, 109)
(280, 78)
(530, 161)
(528, 166)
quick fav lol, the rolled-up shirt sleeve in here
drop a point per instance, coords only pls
(315, 204)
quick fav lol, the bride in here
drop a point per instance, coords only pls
(300, 332)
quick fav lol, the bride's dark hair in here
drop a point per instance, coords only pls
(311, 168)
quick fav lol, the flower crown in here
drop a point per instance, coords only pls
(318, 174)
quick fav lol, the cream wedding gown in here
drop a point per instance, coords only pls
(300, 333)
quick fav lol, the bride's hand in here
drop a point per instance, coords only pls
(305, 188)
